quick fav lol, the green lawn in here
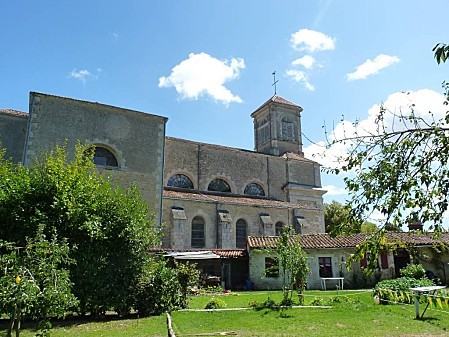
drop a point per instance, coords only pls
(354, 314)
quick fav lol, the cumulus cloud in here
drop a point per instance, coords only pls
(84, 75)
(312, 41)
(334, 190)
(306, 61)
(300, 77)
(423, 101)
(202, 74)
(372, 67)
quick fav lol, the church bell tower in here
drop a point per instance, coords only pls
(277, 127)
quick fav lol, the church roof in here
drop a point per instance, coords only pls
(279, 100)
(13, 112)
(194, 195)
(321, 241)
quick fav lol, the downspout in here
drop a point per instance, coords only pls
(162, 175)
(216, 225)
(268, 177)
(198, 169)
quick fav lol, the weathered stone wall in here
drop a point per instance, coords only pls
(135, 138)
(209, 211)
(205, 162)
(13, 129)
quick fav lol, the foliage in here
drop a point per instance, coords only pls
(399, 170)
(110, 226)
(34, 280)
(335, 215)
(158, 290)
(398, 290)
(415, 271)
(215, 303)
(187, 276)
(441, 52)
(294, 266)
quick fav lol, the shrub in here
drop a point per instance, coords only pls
(215, 303)
(398, 290)
(318, 301)
(416, 271)
(158, 290)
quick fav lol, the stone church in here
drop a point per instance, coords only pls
(209, 197)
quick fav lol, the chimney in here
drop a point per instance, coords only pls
(415, 226)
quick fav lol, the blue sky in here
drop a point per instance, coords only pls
(206, 65)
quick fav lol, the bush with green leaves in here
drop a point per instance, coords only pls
(398, 290)
(413, 271)
(215, 303)
(110, 227)
(157, 290)
(34, 280)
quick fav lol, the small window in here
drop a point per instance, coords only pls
(287, 130)
(104, 157)
(219, 185)
(254, 189)
(278, 228)
(197, 240)
(180, 180)
(240, 234)
(271, 267)
(325, 264)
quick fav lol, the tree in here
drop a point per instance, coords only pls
(110, 227)
(294, 268)
(34, 280)
(399, 170)
(335, 216)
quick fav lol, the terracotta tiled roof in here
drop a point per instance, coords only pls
(171, 193)
(13, 112)
(224, 253)
(320, 241)
(278, 99)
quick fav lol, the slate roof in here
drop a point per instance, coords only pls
(12, 112)
(223, 253)
(193, 195)
(322, 241)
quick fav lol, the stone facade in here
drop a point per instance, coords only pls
(135, 139)
(13, 130)
(289, 185)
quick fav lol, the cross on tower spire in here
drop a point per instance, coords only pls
(274, 81)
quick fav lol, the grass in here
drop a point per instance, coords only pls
(353, 314)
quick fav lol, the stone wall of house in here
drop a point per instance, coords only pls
(13, 129)
(354, 278)
(220, 231)
(136, 139)
(205, 162)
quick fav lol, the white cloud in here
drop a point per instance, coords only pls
(334, 190)
(312, 41)
(84, 75)
(300, 77)
(306, 61)
(424, 100)
(372, 67)
(202, 74)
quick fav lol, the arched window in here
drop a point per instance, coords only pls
(287, 130)
(254, 189)
(198, 239)
(180, 180)
(278, 228)
(240, 234)
(104, 157)
(219, 185)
